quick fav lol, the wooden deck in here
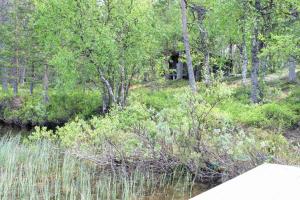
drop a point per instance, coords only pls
(266, 182)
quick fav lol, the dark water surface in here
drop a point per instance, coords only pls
(175, 193)
(9, 130)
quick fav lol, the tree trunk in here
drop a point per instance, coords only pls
(16, 64)
(187, 46)
(179, 70)
(3, 68)
(107, 85)
(15, 80)
(292, 70)
(204, 44)
(207, 69)
(22, 75)
(264, 67)
(122, 89)
(244, 44)
(255, 66)
(46, 84)
(4, 79)
(32, 80)
(105, 100)
(245, 59)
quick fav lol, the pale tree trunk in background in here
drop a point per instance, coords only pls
(255, 66)
(14, 74)
(264, 67)
(4, 79)
(204, 36)
(292, 70)
(46, 84)
(204, 47)
(3, 19)
(244, 58)
(108, 86)
(187, 46)
(22, 74)
(244, 54)
(179, 70)
(122, 92)
(263, 61)
(32, 80)
(105, 100)
(4, 74)
(15, 81)
(207, 69)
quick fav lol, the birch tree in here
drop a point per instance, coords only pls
(187, 45)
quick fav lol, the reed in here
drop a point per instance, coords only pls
(44, 171)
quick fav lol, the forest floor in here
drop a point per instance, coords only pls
(280, 75)
(279, 94)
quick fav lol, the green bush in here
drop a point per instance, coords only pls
(271, 115)
(178, 134)
(61, 107)
(242, 94)
(158, 100)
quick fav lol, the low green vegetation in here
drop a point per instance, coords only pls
(196, 131)
(31, 110)
(279, 109)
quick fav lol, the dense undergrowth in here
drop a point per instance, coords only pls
(27, 109)
(279, 109)
(213, 134)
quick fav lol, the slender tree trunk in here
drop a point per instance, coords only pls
(4, 74)
(244, 44)
(204, 44)
(230, 58)
(187, 46)
(4, 79)
(32, 79)
(255, 66)
(22, 75)
(264, 67)
(122, 89)
(15, 79)
(292, 70)
(245, 59)
(207, 68)
(46, 84)
(107, 85)
(15, 69)
(179, 70)
(105, 100)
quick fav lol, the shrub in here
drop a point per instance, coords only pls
(271, 115)
(61, 108)
(70, 104)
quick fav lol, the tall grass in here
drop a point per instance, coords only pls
(44, 171)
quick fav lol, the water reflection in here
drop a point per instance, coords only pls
(176, 193)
